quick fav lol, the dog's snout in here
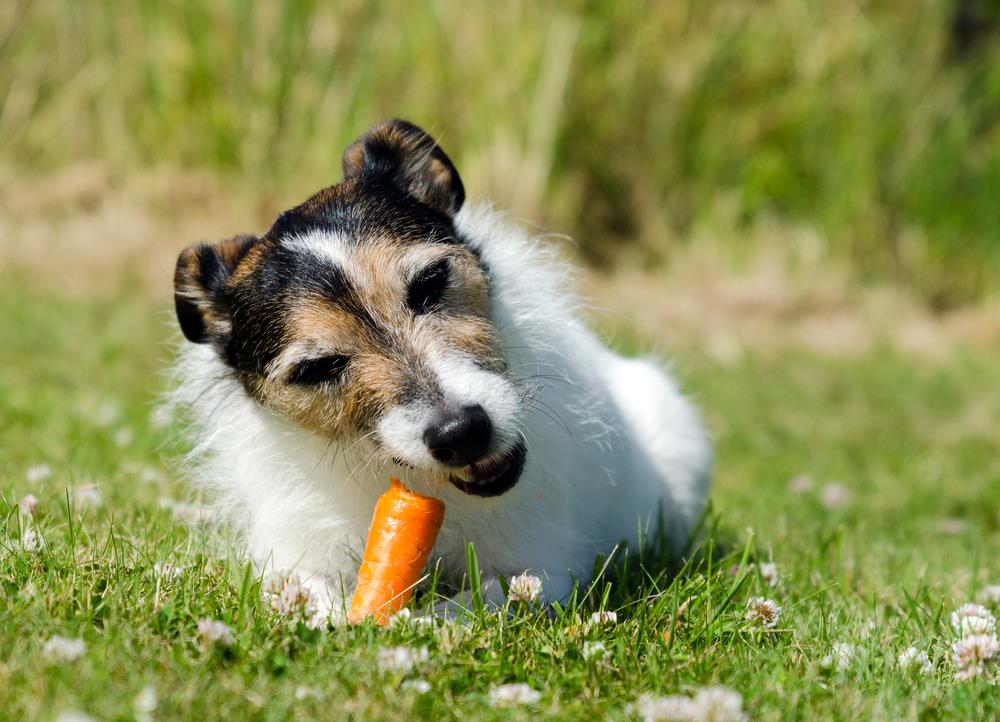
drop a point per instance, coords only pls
(457, 438)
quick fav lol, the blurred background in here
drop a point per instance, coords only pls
(796, 201)
(738, 172)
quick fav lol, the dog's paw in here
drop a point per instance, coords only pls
(325, 606)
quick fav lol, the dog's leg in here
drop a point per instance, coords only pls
(331, 605)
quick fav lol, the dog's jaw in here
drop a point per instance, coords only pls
(494, 476)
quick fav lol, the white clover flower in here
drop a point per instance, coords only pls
(37, 473)
(161, 416)
(974, 654)
(840, 657)
(288, 595)
(604, 617)
(451, 633)
(145, 703)
(972, 619)
(74, 715)
(990, 594)
(594, 651)
(868, 628)
(507, 695)
(303, 692)
(405, 618)
(524, 588)
(123, 437)
(150, 475)
(31, 540)
(800, 484)
(213, 631)
(672, 708)
(914, 661)
(188, 513)
(400, 618)
(88, 496)
(401, 659)
(718, 704)
(951, 526)
(28, 505)
(106, 414)
(834, 496)
(420, 686)
(166, 570)
(63, 649)
(763, 612)
(769, 573)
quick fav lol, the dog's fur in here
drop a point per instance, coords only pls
(323, 349)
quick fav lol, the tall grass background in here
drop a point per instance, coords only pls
(867, 128)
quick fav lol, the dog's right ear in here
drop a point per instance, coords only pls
(202, 271)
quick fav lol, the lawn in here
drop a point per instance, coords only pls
(794, 201)
(872, 482)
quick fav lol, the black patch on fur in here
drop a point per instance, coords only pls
(190, 319)
(363, 210)
(399, 186)
(318, 370)
(427, 289)
(210, 271)
(406, 156)
(334, 285)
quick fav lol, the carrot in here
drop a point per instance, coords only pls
(400, 539)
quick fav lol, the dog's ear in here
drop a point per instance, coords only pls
(411, 160)
(201, 273)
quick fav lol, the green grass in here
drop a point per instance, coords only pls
(914, 444)
(634, 127)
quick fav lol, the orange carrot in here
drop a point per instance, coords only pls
(400, 539)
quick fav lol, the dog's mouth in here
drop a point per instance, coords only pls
(494, 476)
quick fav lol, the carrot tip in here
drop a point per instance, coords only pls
(402, 533)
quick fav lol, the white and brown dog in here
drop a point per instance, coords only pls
(383, 327)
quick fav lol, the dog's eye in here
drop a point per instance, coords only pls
(428, 287)
(318, 370)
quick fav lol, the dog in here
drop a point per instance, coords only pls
(385, 327)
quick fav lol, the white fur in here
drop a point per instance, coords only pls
(462, 383)
(611, 442)
(324, 245)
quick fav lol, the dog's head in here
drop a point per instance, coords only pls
(364, 316)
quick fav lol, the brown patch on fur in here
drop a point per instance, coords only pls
(232, 250)
(245, 260)
(388, 363)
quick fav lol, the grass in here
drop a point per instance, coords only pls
(844, 138)
(634, 127)
(914, 445)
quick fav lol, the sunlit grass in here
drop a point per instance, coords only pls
(882, 569)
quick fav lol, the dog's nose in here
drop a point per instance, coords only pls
(457, 438)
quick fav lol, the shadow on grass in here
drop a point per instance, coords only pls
(652, 585)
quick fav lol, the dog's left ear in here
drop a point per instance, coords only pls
(411, 160)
